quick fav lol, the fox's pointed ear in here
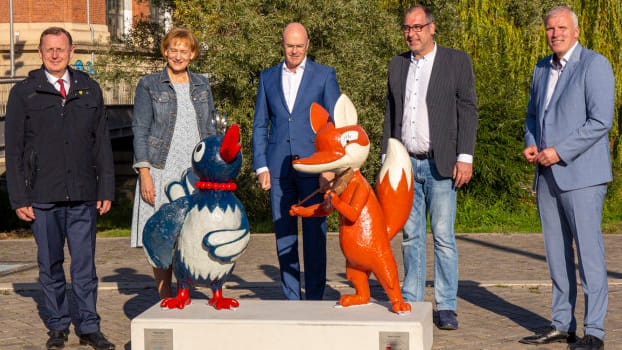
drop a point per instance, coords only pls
(319, 116)
(345, 112)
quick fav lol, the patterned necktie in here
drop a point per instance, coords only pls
(62, 88)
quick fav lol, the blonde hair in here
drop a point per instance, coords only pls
(180, 34)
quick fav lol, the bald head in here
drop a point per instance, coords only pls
(295, 28)
(295, 43)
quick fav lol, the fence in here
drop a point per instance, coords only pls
(116, 94)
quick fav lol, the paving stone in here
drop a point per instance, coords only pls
(504, 294)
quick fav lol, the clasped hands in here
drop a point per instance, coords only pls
(545, 157)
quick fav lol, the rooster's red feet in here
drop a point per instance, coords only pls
(219, 302)
(180, 301)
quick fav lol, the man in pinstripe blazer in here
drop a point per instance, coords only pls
(432, 108)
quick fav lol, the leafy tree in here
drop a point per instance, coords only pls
(242, 38)
(359, 37)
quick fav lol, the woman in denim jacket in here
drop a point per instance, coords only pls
(173, 111)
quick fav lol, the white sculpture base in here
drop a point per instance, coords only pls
(301, 325)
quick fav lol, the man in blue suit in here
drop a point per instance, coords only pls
(281, 133)
(569, 115)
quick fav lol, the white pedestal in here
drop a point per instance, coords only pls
(301, 325)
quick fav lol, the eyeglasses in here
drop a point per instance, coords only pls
(174, 52)
(55, 51)
(415, 27)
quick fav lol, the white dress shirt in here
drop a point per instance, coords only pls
(54, 80)
(291, 83)
(415, 122)
(557, 68)
(415, 126)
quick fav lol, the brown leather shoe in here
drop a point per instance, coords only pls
(550, 335)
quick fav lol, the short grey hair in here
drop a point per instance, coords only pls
(558, 10)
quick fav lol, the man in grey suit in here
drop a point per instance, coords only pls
(432, 108)
(569, 115)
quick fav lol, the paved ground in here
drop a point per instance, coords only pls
(504, 290)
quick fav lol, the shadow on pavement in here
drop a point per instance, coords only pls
(484, 298)
(610, 273)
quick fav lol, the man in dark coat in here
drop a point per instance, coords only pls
(60, 175)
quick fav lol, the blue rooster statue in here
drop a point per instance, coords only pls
(204, 228)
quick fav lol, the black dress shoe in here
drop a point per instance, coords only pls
(550, 335)
(57, 339)
(96, 340)
(589, 342)
(447, 320)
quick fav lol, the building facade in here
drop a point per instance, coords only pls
(93, 24)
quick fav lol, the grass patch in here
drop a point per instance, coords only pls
(117, 232)
(472, 217)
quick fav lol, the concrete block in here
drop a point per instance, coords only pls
(269, 324)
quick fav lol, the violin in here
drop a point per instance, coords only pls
(338, 184)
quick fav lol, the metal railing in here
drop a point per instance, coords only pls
(5, 87)
(115, 93)
(118, 97)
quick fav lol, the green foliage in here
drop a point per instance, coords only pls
(243, 38)
(119, 216)
(503, 38)
(9, 221)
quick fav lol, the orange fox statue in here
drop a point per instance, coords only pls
(367, 222)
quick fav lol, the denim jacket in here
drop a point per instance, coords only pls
(155, 112)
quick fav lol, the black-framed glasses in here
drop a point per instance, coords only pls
(415, 27)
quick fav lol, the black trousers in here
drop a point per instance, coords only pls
(73, 222)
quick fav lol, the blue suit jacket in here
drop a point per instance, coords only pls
(578, 120)
(278, 134)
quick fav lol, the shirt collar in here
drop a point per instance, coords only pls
(564, 59)
(53, 80)
(301, 66)
(429, 56)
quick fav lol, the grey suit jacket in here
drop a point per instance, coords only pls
(578, 119)
(451, 102)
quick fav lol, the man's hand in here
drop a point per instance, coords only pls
(25, 213)
(530, 153)
(548, 157)
(147, 190)
(462, 173)
(264, 180)
(103, 206)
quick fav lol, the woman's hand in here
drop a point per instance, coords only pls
(147, 190)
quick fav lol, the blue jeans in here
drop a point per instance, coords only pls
(435, 195)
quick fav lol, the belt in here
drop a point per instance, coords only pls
(420, 156)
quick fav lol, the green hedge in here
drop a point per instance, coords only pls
(359, 37)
